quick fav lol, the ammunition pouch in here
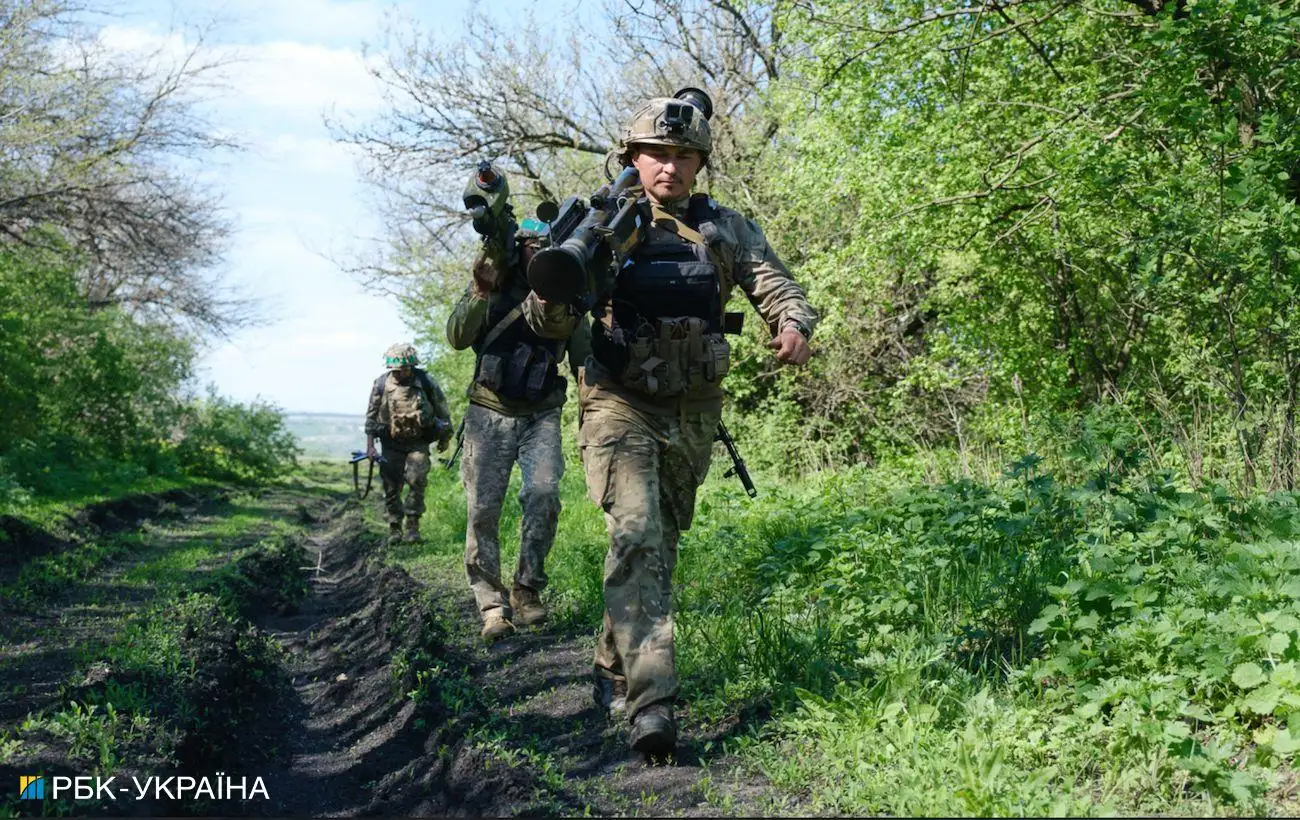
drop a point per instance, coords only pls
(526, 373)
(664, 358)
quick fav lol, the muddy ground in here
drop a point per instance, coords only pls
(385, 701)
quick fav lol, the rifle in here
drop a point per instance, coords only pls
(737, 463)
(460, 442)
(585, 238)
(357, 457)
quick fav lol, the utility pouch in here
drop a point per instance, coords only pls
(517, 371)
(733, 322)
(538, 373)
(717, 358)
(491, 372)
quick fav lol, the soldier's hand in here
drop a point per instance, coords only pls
(791, 347)
(371, 452)
(485, 276)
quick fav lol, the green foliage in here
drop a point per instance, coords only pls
(1040, 209)
(224, 439)
(81, 390)
(268, 579)
(1029, 638)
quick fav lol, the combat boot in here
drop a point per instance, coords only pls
(496, 625)
(394, 532)
(654, 730)
(609, 694)
(412, 529)
(527, 605)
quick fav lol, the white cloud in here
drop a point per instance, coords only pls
(317, 155)
(297, 78)
(285, 79)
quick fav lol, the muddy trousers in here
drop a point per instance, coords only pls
(401, 468)
(643, 470)
(494, 442)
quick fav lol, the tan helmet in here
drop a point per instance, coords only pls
(400, 354)
(682, 119)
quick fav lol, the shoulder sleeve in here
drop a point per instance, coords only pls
(373, 427)
(466, 320)
(766, 281)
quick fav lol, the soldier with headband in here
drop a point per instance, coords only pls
(407, 411)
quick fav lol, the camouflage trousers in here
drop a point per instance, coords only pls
(401, 468)
(494, 442)
(643, 470)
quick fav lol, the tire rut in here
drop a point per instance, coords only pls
(401, 710)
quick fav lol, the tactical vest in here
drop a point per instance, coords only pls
(406, 411)
(513, 361)
(664, 334)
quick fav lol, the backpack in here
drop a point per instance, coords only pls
(407, 411)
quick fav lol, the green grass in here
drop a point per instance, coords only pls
(1106, 640)
(45, 509)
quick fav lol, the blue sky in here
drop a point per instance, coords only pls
(294, 194)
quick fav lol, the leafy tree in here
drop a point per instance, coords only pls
(1053, 202)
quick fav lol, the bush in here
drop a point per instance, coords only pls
(227, 440)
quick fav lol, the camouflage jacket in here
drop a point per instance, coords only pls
(468, 324)
(748, 263)
(374, 423)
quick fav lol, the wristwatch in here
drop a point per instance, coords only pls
(804, 330)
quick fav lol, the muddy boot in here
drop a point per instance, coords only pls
(496, 625)
(412, 529)
(527, 606)
(394, 532)
(610, 694)
(654, 731)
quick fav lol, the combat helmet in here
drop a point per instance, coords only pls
(399, 355)
(682, 119)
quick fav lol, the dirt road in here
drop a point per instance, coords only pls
(389, 703)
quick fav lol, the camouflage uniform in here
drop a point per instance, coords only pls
(403, 464)
(646, 455)
(501, 430)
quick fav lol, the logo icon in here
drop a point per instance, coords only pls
(31, 787)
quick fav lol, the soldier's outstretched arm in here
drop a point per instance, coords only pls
(438, 399)
(774, 293)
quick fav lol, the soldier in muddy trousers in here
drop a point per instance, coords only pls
(651, 392)
(406, 412)
(515, 402)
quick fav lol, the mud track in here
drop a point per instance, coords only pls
(401, 710)
(390, 705)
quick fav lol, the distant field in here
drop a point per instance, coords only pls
(327, 435)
